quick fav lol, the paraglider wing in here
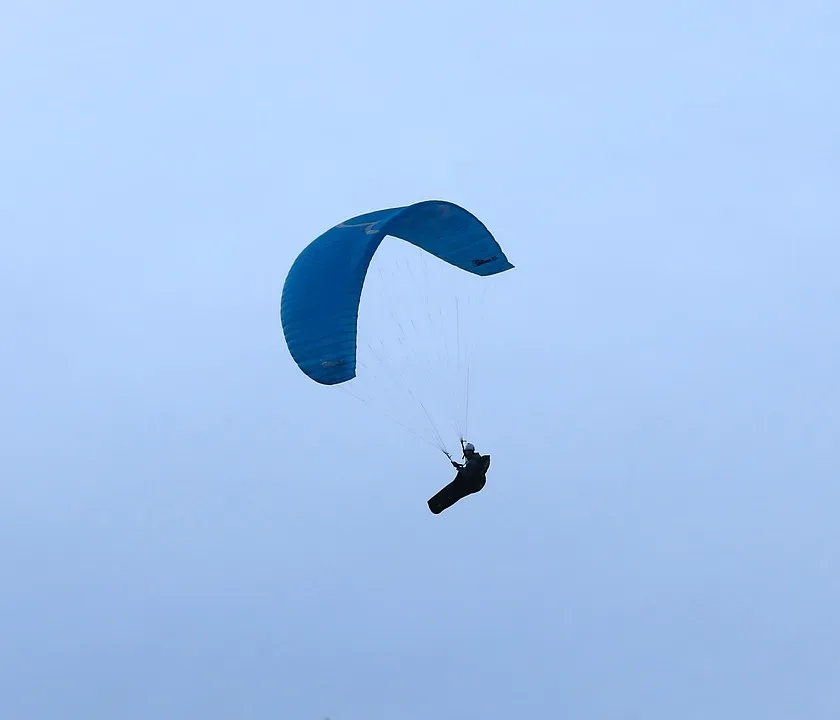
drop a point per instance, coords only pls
(322, 291)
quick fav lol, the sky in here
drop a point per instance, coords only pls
(190, 528)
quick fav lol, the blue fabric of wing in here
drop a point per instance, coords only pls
(321, 295)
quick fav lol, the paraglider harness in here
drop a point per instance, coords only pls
(470, 479)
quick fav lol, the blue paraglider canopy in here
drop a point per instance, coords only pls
(322, 291)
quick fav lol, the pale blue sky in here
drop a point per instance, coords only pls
(191, 529)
